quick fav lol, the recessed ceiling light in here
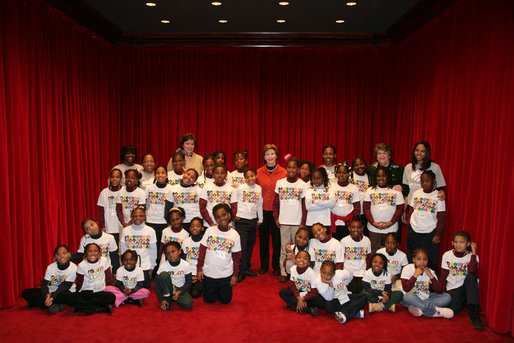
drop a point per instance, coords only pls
(351, 3)
(151, 4)
(283, 3)
(216, 3)
(281, 21)
(223, 21)
(339, 21)
(165, 21)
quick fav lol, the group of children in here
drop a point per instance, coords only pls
(195, 234)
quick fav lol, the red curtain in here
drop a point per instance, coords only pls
(69, 101)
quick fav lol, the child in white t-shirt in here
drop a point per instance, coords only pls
(207, 176)
(219, 257)
(359, 178)
(218, 192)
(186, 195)
(347, 202)
(324, 248)
(191, 248)
(178, 161)
(148, 172)
(156, 195)
(301, 243)
(319, 199)
(130, 197)
(107, 200)
(174, 232)
(396, 260)
(237, 177)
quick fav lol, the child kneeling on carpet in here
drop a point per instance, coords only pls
(129, 281)
(174, 278)
(219, 257)
(93, 275)
(301, 243)
(377, 286)
(331, 284)
(417, 280)
(302, 295)
(191, 249)
(58, 281)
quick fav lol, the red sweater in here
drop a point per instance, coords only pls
(267, 182)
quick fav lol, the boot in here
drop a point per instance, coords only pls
(474, 316)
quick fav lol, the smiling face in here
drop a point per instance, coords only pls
(138, 216)
(317, 179)
(91, 228)
(178, 163)
(420, 152)
(301, 238)
(319, 232)
(208, 167)
(148, 163)
(92, 253)
(383, 158)
(129, 158)
(377, 264)
(189, 146)
(460, 244)
(196, 227)
(222, 217)
(420, 260)
(328, 156)
(172, 253)
(381, 178)
(176, 220)
(240, 162)
(342, 175)
(115, 178)
(161, 174)
(270, 156)
(355, 229)
(302, 259)
(326, 273)
(292, 169)
(131, 179)
(305, 171)
(427, 183)
(189, 177)
(62, 256)
(219, 158)
(129, 262)
(391, 245)
(250, 178)
(359, 167)
(220, 175)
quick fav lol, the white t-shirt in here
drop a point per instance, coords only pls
(174, 178)
(146, 180)
(56, 277)
(345, 197)
(130, 200)
(396, 262)
(426, 206)
(143, 241)
(188, 198)
(191, 249)
(130, 278)
(290, 196)
(320, 252)
(355, 254)
(177, 273)
(457, 268)
(124, 168)
(331, 172)
(422, 286)
(249, 201)
(340, 281)
(412, 178)
(106, 242)
(319, 202)
(220, 245)
(94, 274)
(304, 282)
(377, 282)
(236, 179)
(214, 195)
(108, 199)
(169, 236)
(383, 205)
(362, 183)
(203, 180)
(156, 202)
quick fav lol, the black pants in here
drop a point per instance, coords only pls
(247, 229)
(467, 294)
(355, 286)
(158, 228)
(34, 297)
(148, 278)
(90, 302)
(196, 289)
(341, 232)
(290, 299)
(217, 289)
(268, 224)
(349, 308)
(424, 241)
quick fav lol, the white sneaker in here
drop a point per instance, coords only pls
(444, 312)
(341, 318)
(416, 312)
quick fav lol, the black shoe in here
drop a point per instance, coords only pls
(73, 310)
(313, 311)
(283, 278)
(241, 278)
(108, 308)
(250, 273)
(474, 316)
(276, 272)
(263, 270)
(55, 308)
(140, 302)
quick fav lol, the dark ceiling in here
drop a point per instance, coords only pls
(252, 22)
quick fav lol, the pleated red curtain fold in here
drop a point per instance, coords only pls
(69, 101)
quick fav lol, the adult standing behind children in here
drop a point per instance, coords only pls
(383, 155)
(188, 143)
(267, 177)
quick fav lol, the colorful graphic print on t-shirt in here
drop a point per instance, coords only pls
(355, 253)
(344, 196)
(321, 255)
(56, 280)
(173, 182)
(223, 244)
(320, 196)
(340, 290)
(250, 197)
(457, 269)
(168, 238)
(237, 181)
(383, 198)
(302, 285)
(157, 198)
(378, 284)
(421, 287)
(129, 202)
(192, 253)
(95, 275)
(111, 204)
(425, 205)
(218, 197)
(185, 197)
(393, 267)
(129, 282)
(290, 193)
(361, 185)
(138, 241)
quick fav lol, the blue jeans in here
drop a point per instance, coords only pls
(427, 306)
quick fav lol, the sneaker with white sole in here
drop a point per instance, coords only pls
(340, 317)
(360, 314)
(444, 312)
(416, 312)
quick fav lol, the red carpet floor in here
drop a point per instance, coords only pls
(255, 314)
